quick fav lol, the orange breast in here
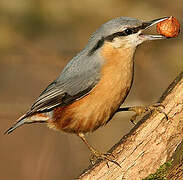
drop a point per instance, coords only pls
(96, 108)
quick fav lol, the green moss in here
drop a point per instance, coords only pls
(161, 173)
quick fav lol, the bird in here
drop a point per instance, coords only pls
(94, 84)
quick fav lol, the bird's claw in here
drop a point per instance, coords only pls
(99, 156)
(158, 107)
(139, 110)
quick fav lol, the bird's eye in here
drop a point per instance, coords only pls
(128, 31)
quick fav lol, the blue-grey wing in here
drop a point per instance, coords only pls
(57, 94)
(77, 79)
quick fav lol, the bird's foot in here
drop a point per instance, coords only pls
(96, 155)
(140, 110)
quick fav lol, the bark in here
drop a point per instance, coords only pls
(149, 144)
(175, 172)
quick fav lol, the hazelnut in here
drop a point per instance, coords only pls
(169, 27)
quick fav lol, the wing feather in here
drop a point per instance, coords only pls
(77, 79)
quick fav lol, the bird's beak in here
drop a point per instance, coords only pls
(148, 24)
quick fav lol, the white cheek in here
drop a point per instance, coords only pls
(134, 40)
(117, 42)
(127, 41)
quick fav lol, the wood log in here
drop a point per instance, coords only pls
(175, 172)
(149, 144)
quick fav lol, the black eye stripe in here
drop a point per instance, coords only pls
(126, 32)
(117, 34)
(97, 46)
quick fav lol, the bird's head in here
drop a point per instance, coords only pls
(123, 32)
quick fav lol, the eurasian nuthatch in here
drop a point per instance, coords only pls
(94, 84)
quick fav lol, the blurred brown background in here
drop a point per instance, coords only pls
(37, 39)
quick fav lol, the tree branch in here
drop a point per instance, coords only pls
(149, 144)
(175, 172)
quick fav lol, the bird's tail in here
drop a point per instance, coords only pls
(19, 123)
(26, 119)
